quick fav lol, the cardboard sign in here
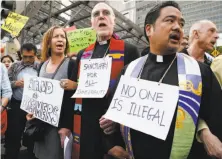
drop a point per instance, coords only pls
(43, 98)
(80, 39)
(94, 78)
(144, 105)
(14, 23)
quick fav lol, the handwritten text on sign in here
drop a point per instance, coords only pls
(144, 106)
(80, 39)
(94, 78)
(14, 23)
(43, 97)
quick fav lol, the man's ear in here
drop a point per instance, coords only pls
(195, 34)
(149, 29)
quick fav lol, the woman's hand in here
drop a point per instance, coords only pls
(67, 84)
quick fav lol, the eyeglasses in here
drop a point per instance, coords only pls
(28, 57)
(104, 12)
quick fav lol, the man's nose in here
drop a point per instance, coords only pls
(101, 15)
(177, 27)
(217, 35)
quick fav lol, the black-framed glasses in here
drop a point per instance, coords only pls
(28, 57)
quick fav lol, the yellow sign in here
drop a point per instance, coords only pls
(215, 53)
(80, 39)
(14, 23)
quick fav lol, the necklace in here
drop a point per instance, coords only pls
(161, 79)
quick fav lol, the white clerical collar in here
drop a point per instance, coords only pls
(159, 58)
(102, 42)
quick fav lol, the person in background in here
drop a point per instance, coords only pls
(38, 58)
(18, 56)
(6, 90)
(54, 49)
(7, 60)
(216, 67)
(16, 116)
(5, 96)
(203, 36)
(184, 43)
(16, 42)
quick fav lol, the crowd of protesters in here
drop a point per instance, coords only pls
(100, 137)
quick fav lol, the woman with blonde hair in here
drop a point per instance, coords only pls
(56, 66)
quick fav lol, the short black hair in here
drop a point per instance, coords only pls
(154, 13)
(29, 47)
(7, 56)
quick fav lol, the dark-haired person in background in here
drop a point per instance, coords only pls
(199, 95)
(184, 43)
(16, 116)
(7, 60)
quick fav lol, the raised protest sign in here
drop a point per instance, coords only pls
(43, 98)
(144, 105)
(80, 39)
(94, 78)
(14, 23)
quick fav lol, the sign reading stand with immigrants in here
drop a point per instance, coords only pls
(144, 105)
(43, 98)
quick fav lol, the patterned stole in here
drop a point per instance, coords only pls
(116, 51)
(190, 84)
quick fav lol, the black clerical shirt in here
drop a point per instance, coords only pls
(149, 147)
(91, 140)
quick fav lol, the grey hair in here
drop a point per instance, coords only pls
(197, 26)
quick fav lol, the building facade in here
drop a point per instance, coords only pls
(192, 11)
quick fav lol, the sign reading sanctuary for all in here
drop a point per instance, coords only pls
(43, 98)
(94, 78)
(144, 105)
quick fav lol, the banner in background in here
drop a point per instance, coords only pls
(80, 39)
